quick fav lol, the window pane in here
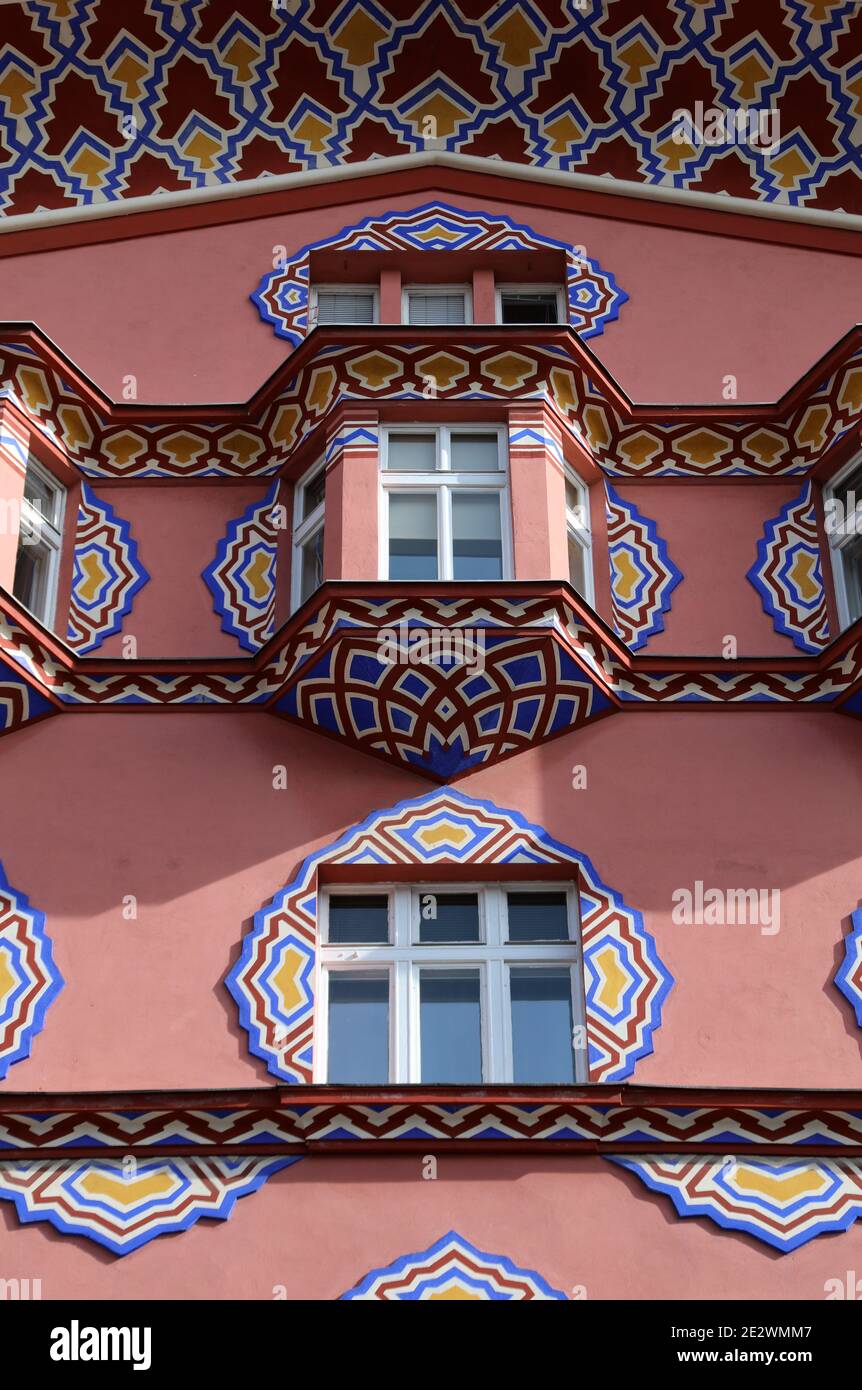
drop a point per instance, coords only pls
(312, 565)
(358, 1029)
(412, 535)
(577, 564)
(538, 916)
(313, 494)
(448, 916)
(412, 453)
(30, 585)
(358, 918)
(528, 308)
(43, 496)
(477, 544)
(475, 453)
(451, 1026)
(337, 306)
(852, 559)
(542, 1025)
(436, 308)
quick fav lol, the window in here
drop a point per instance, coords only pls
(429, 304)
(530, 304)
(37, 565)
(309, 505)
(455, 984)
(343, 304)
(445, 504)
(578, 536)
(843, 511)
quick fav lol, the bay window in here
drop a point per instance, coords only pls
(37, 564)
(450, 984)
(578, 536)
(308, 519)
(445, 504)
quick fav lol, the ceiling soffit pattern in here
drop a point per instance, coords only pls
(593, 297)
(177, 94)
(625, 982)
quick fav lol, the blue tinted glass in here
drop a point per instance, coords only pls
(542, 1026)
(361, 918)
(448, 917)
(451, 1029)
(358, 1029)
(537, 917)
(412, 535)
(477, 547)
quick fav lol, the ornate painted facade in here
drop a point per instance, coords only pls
(422, 628)
(319, 85)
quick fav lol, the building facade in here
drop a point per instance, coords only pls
(430, 652)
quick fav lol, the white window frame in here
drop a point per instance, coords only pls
(581, 530)
(436, 290)
(50, 533)
(840, 541)
(554, 289)
(303, 530)
(316, 290)
(402, 959)
(444, 481)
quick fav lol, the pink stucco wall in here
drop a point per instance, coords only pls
(315, 1229)
(179, 810)
(177, 530)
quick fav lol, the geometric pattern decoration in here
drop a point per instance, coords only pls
(295, 1118)
(452, 1270)
(38, 676)
(106, 577)
(643, 576)
(241, 578)
(784, 1202)
(124, 1204)
(547, 365)
(215, 93)
(20, 702)
(848, 977)
(274, 979)
(29, 979)
(788, 575)
(593, 298)
(445, 716)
